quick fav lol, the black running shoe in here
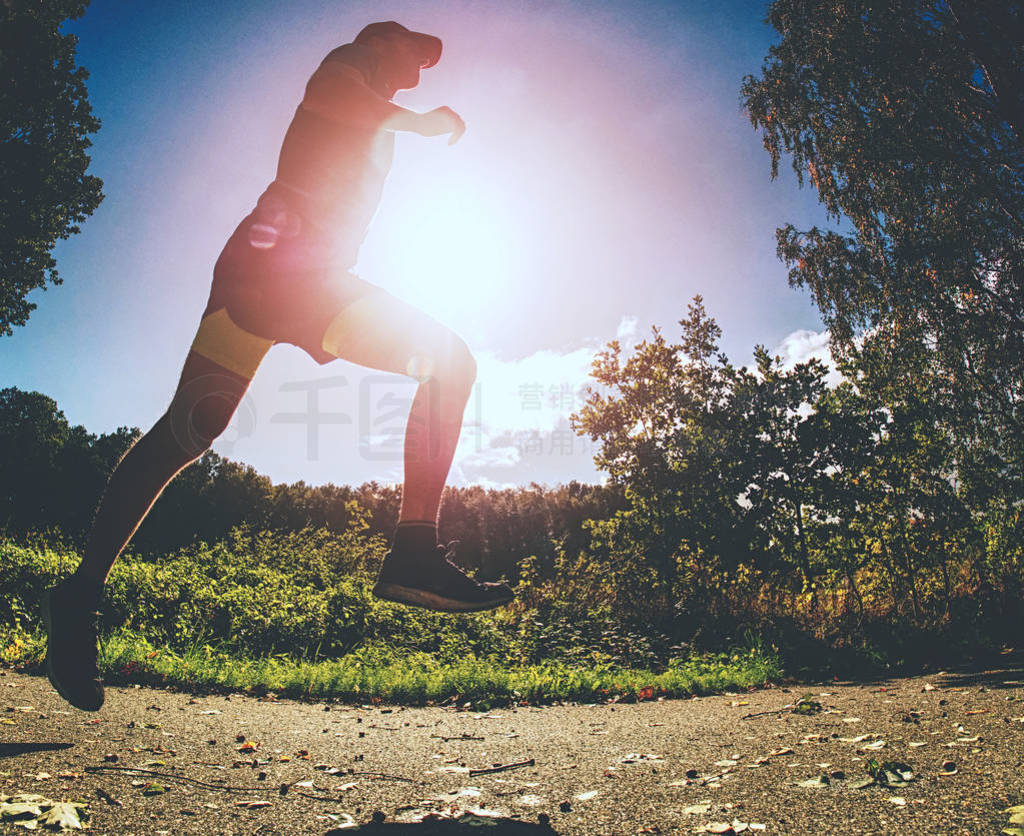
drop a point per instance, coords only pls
(72, 634)
(433, 581)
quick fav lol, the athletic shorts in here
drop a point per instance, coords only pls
(277, 280)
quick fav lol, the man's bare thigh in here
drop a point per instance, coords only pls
(383, 332)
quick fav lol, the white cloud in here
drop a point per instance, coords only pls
(516, 422)
(628, 333)
(803, 345)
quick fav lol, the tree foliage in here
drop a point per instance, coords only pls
(764, 487)
(908, 119)
(45, 120)
(722, 467)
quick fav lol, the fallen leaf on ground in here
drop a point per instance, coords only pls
(22, 806)
(634, 757)
(63, 815)
(342, 821)
(890, 773)
(806, 706)
(330, 770)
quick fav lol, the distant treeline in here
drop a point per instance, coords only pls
(52, 475)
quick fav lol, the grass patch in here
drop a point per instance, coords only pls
(379, 674)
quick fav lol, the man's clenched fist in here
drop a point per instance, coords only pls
(441, 120)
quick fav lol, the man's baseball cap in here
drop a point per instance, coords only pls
(429, 46)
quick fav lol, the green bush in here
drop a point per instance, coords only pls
(294, 613)
(307, 595)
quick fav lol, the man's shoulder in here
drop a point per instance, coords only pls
(359, 56)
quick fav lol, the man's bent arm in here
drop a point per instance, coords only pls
(338, 92)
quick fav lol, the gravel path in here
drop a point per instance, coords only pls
(678, 766)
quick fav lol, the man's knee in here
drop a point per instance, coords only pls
(195, 425)
(203, 404)
(445, 359)
(465, 363)
(455, 364)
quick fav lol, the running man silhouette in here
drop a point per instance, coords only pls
(284, 277)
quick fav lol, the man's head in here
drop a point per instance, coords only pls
(402, 53)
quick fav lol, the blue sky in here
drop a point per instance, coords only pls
(608, 174)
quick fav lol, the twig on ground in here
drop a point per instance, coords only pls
(173, 777)
(488, 769)
(766, 713)
(384, 776)
(459, 737)
(230, 787)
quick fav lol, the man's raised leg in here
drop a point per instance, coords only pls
(383, 332)
(203, 404)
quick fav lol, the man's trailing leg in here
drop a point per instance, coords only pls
(202, 406)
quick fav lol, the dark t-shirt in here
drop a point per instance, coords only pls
(280, 275)
(338, 167)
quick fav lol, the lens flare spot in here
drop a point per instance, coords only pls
(419, 367)
(263, 236)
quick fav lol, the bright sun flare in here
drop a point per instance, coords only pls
(453, 254)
